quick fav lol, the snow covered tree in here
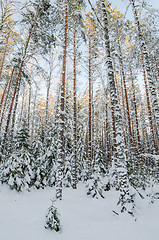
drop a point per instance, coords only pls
(39, 168)
(60, 158)
(145, 60)
(119, 156)
(52, 218)
(17, 170)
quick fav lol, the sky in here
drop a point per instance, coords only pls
(122, 5)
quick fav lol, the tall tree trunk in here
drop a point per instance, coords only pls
(74, 175)
(61, 155)
(47, 106)
(125, 89)
(23, 105)
(119, 158)
(135, 108)
(14, 94)
(149, 107)
(90, 112)
(146, 145)
(144, 52)
(5, 89)
(4, 54)
(14, 111)
(29, 106)
(157, 73)
(123, 109)
(33, 118)
(8, 84)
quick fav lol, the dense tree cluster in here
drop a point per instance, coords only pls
(107, 134)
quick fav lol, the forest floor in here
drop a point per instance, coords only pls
(22, 216)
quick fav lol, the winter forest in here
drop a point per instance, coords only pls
(79, 116)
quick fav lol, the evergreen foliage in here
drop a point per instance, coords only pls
(52, 218)
(95, 187)
(17, 170)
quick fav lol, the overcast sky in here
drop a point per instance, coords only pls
(122, 5)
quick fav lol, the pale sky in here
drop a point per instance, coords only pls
(122, 5)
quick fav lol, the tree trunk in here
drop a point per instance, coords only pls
(14, 111)
(33, 117)
(119, 156)
(61, 155)
(8, 84)
(125, 89)
(29, 106)
(14, 94)
(144, 52)
(74, 175)
(90, 113)
(47, 106)
(149, 107)
(4, 54)
(135, 108)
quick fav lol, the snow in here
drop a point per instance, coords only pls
(22, 216)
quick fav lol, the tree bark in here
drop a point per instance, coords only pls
(144, 53)
(119, 148)
(4, 54)
(135, 108)
(8, 84)
(61, 155)
(125, 89)
(90, 112)
(74, 116)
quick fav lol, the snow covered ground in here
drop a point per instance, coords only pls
(22, 216)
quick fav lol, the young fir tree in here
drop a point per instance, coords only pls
(52, 218)
(17, 170)
(95, 185)
(40, 165)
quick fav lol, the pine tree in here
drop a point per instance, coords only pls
(17, 169)
(52, 218)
